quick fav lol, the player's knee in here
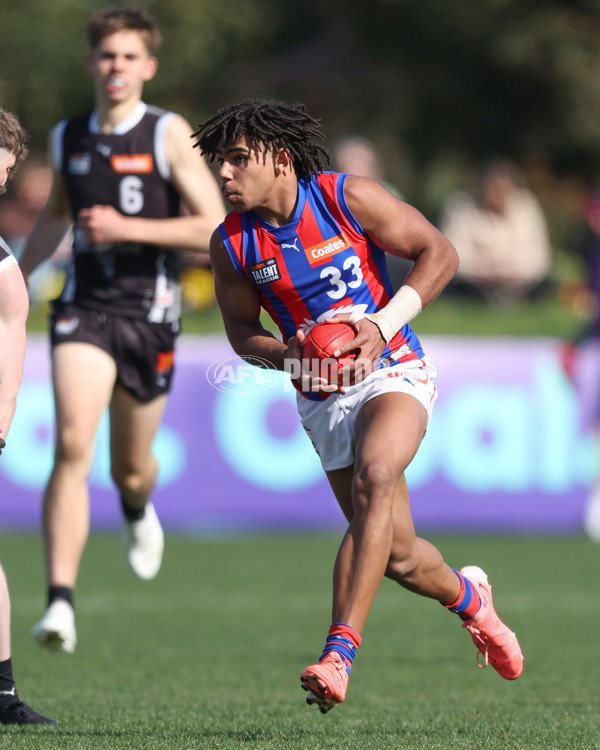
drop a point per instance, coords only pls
(374, 486)
(73, 447)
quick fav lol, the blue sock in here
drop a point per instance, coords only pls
(468, 602)
(344, 640)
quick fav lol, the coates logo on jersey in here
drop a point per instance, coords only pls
(321, 252)
(265, 272)
(132, 163)
(164, 362)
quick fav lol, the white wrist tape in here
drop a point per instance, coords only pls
(403, 307)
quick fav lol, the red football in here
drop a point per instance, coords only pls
(323, 339)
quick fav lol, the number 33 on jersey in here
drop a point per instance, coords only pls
(320, 261)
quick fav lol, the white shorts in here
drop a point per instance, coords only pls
(331, 424)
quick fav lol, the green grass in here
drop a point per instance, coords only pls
(209, 654)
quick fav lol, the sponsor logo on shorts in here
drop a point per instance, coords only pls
(323, 251)
(409, 377)
(164, 362)
(136, 163)
(265, 272)
(79, 164)
(65, 326)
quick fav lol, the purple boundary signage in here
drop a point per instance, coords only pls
(509, 447)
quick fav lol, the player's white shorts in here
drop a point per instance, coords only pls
(331, 424)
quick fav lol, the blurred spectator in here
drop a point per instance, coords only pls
(359, 156)
(501, 236)
(19, 210)
(18, 213)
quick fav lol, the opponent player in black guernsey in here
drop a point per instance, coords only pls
(123, 176)
(14, 306)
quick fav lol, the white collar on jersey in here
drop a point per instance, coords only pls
(122, 127)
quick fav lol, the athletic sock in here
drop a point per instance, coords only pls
(344, 640)
(8, 691)
(132, 514)
(468, 602)
(60, 592)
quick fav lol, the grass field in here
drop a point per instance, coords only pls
(210, 653)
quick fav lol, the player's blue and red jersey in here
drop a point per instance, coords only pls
(320, 264)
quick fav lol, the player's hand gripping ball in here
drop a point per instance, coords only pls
(320, 342)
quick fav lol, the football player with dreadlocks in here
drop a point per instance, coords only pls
(323, 237)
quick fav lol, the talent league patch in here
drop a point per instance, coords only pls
(79, 164)
(265, 272)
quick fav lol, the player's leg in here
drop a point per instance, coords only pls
(418, 566)
(374, 497)
(133, 427)
(12, 708)
(389, 429)
(414, 562)
(83, 379)
(4, 618)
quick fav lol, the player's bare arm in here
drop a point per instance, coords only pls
(51, 225)
(200, 195)
(195, 183)
(14, 306)
(240, 307)
(400, 230)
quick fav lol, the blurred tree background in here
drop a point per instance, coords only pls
(437, 85)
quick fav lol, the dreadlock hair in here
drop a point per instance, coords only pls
(275, 125)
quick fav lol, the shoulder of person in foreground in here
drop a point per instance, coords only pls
(14, 301)
(14, 306)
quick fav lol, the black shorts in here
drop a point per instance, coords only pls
(143, 352)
